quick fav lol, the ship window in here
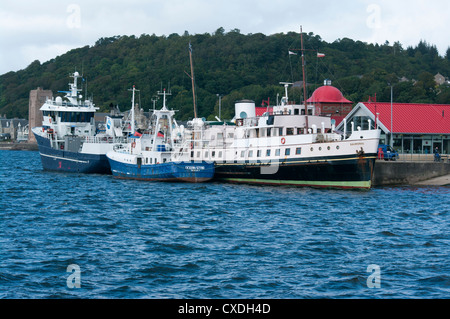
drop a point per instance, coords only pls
(198, 153)
(287, 151)
(230, 135)
(206, 154)
(220, 154)
(277, 152)
(298, 151)
(192, 153)
(268, 132)
(290, 131)
(296, 111)
(250, 153)
(242, 153)
(268, 152)
(258, 153)
(213, 153)
(280, 131)
(299, 131)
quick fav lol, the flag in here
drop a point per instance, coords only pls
(137, 134)
(320, 55)
(160, 134)
(292, 53)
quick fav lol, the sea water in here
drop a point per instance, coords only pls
(93, 236)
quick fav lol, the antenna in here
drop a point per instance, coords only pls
(133, 128)
(304, 78)
(164, 93)
(192, 79)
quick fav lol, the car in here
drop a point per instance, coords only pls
(387, 153)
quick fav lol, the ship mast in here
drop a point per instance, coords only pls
(133, 127)
(192, 79)
(304, 78)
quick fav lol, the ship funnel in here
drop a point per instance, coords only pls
(245, 109)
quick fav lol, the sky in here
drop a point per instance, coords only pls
(42, 30)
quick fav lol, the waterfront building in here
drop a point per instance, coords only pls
(411, 128)
(35, 118)
(329, 101)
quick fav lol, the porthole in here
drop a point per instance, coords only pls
(312, 149)
(337, 147)
(328, 148)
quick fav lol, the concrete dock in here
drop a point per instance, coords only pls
(411, 173)
(18, 146)
(437, 181)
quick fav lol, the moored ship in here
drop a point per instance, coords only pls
(69, 140)
(159, 154)
(287, 145)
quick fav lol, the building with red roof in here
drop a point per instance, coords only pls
(329, 101)
(409, 127)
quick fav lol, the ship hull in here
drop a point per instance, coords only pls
(323, 172)
(73, 162)
(167, 172)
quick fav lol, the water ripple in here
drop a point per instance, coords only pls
(167, 240)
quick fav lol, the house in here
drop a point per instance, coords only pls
(11, 128)
(439, 79)
(409, 128)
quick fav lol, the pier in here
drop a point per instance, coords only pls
(18, 146)
(412, 171)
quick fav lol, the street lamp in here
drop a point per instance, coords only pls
(392, 134)
(220, 100)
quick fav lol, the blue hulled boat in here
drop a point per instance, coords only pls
(69, 140)
(160, 154)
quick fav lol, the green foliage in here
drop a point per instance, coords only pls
(231, 64)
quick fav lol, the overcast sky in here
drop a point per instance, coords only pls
(42, 30)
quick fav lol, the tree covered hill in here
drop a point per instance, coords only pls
(233, 65)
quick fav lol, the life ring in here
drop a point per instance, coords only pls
(133, 145)
(283, 141)
(50, 120)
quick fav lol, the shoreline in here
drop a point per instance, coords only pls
(10, 146)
